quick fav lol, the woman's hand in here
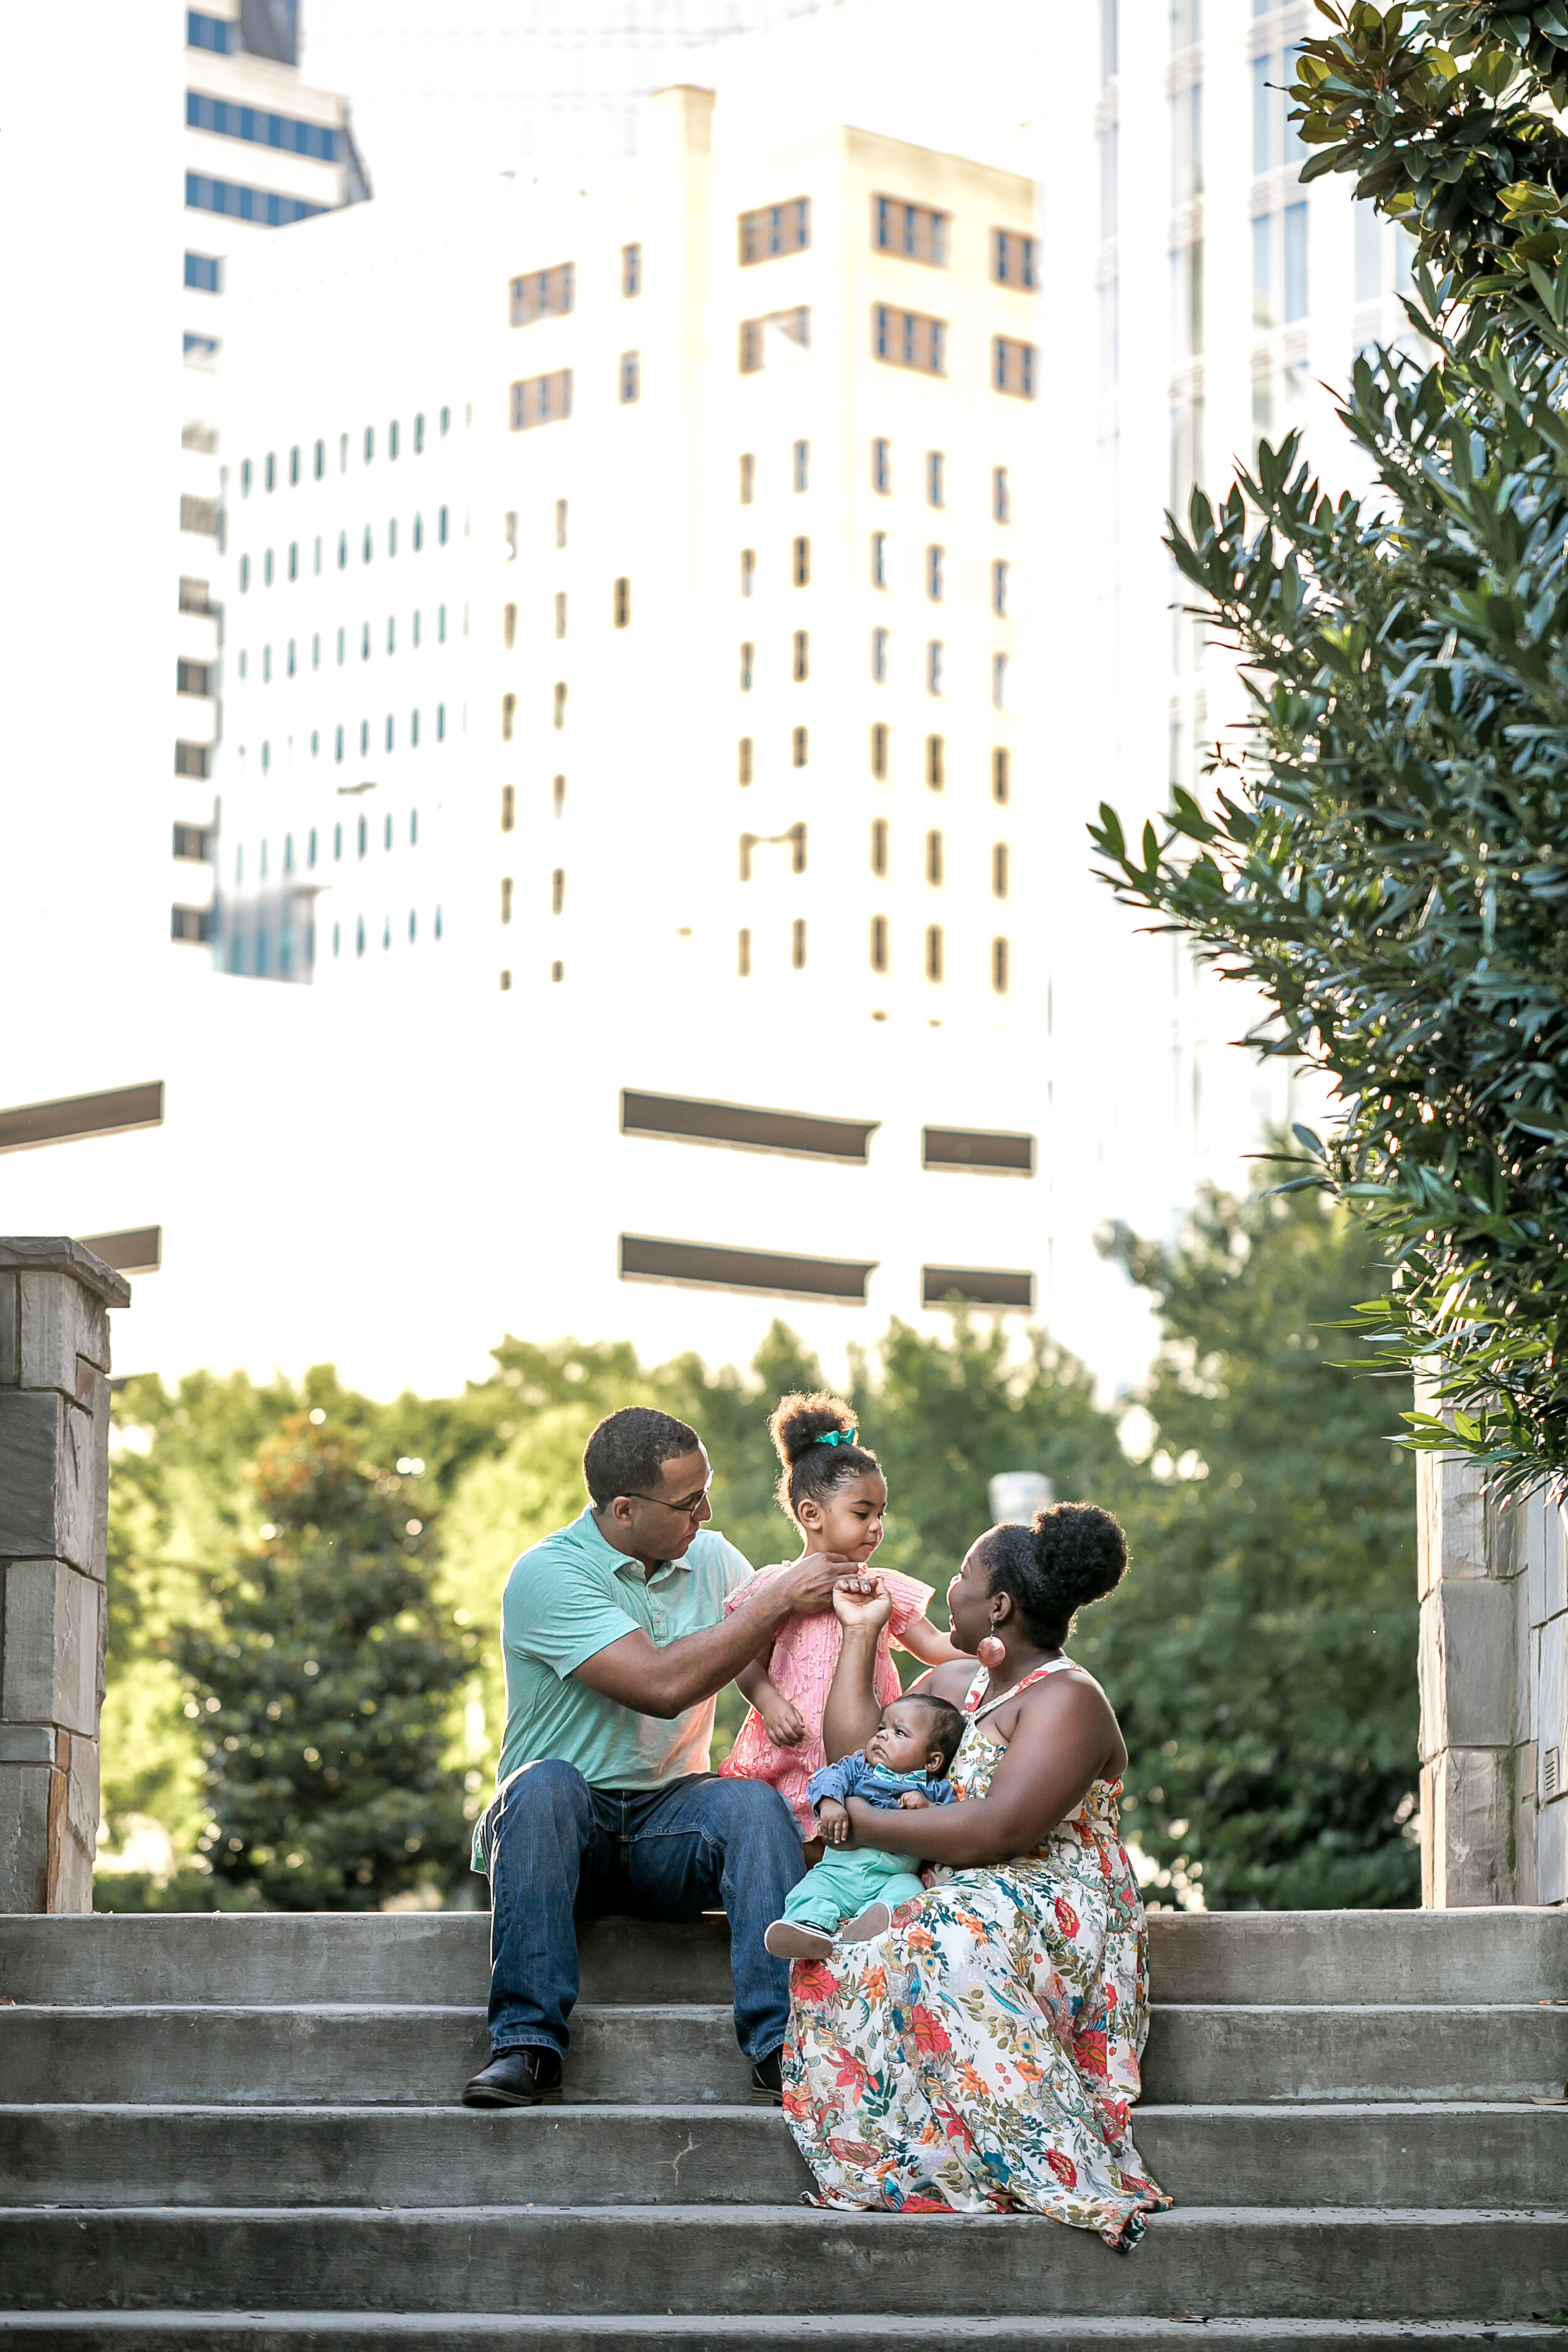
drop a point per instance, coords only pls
(782, 1719)
(861, 1602)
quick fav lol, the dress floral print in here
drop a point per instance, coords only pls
(982, 2055)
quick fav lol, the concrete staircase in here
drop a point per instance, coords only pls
(242, 2132)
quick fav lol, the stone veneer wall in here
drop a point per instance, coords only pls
(53, 1524)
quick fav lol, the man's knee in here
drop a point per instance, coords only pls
(749, 1809)
(547, 1791)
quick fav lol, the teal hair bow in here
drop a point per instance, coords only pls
(839, 1437)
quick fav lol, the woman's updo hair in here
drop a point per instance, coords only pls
(814, 1437)
(1073, 1553)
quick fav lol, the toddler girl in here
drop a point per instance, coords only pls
(831, 1486)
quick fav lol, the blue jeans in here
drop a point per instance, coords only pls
(558, 1851)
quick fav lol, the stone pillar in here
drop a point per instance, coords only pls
(1493, 1643)
(54, 1527)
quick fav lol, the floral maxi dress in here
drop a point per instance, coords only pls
(982, 2055)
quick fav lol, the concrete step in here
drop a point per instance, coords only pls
(1515, 1956)
(678, 2054)
(329, 2331)
(1262, 2262)
(1436, 2155)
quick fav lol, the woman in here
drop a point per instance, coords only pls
(980, 2053)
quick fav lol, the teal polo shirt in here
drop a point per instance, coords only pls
(569, 1597)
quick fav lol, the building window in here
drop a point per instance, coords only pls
(558, 890)
(541, 400)
(363, 835)
(445, 421)
(392, 535)
(936, 479)
(802, 465)
(800, 562)
(343, 453)
(999, 966)
(914, 231)
(506, 980)
(560, 612)
(934, 859)
(414, 723)
(543, 294)
(558, 793)
(266, 569)
(266, 665)
(800, 666)
(748, 479)
(363, 737)
(288, 658)
(204, 271)
(800, 747)
(391, 438)
(245, 478)
(310, 848)
(933, 574)
(244, 573)
(744, 762)
(370, 444)
(557, 972)
(880, 845)
(743, 954)
(878, 943)
(1013, 367)
(934, 656)
(419, 435)
(631, 269)
(879, 752)
(775, 229)
(999, 590)
(560, 705)
(776, 340)
(203, 32)
(367, 545)
(506, 899)
(193, 760)
(560, 522)
(631, 377)
(1001, 774)
(293, 558)
(623, 604)
(880, 655)
(343, 550)
(936, 763)
(294, 467)
(999, 681)
(271, 475)
(999, 870)
(798, 944)
(933, 951)
(881, 467)
(907, 339)
(747, 653)
(338, 744)
(509, 626)
(507, 807)
(289, 134)
(1013, 259)
(748, 569)
(318, 459)
(389, 744)
(365, 642)
(1001, 495)
(508, 716)
(317, 559)
(878, 559)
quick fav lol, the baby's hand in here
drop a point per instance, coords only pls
(782, 1720)
(832, 1821)
(861, 1601)
(911, 1802)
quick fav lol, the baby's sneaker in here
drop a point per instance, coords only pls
(789, 1939)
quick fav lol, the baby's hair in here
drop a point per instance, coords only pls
(815, 1440)
(946, 1722)
(1073, 1553)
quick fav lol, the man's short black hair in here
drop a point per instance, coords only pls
(627, 1452)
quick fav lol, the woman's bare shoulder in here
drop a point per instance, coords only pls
(947, 1681)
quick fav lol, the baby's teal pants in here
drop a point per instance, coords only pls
(845, 1880)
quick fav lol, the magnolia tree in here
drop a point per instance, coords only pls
(1385, 855)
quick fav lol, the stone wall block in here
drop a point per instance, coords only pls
(1479, 1642)
(1551, 1854)
(1432, 1679)
(49, 1450)
(1473, 1790)
(65, 1332)
(24, 1836)
(10, 1332)
(53, 1620)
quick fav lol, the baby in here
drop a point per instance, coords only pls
(903, 1767)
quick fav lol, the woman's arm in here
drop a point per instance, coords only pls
(852, 1713)
(1058, 1749)
(927, 1642)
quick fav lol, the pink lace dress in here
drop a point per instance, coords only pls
(804, 1654)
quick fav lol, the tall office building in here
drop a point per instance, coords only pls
(263, 151)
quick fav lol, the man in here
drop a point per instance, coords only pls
(616, 1644)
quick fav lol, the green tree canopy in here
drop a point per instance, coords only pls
(1387, 856)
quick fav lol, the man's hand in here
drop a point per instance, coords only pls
(862, 1602)
(911, 1802)
(809, 1583)
(782, 1719)
(832, 1821)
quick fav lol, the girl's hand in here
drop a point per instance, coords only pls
(833, 1822)
(781, 1720)
(862, 1602)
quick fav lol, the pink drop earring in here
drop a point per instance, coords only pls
(991, 1651)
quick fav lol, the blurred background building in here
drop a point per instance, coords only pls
(689, 569)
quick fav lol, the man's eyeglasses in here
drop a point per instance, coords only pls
(687, 1508)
